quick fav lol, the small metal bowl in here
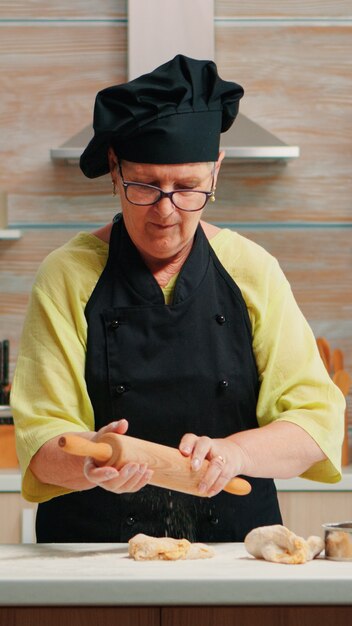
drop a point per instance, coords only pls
(338, 541)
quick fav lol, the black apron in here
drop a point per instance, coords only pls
(169, 370)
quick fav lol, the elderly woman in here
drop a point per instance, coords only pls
(171, 328)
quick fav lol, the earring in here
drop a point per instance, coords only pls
(113, 188)
(212, 197)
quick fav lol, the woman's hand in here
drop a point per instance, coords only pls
(131, 477)
(226, 460)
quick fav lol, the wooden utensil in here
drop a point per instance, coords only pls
(324, 351)
(337, 360)
(8, 456)
(342, 379)
(345, 451)
(171, 469)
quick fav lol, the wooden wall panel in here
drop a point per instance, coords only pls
(312, 189)
(49, 79)
(309, 108)
(114, 9)
(256, 9)
(79, 9)
(67, 209)
(19, 261)
(298, 77)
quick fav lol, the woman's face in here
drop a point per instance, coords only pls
(161, 231)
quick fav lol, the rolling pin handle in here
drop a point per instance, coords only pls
(73, 444)
(238, 487)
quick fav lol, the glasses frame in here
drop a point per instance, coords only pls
(210, 195)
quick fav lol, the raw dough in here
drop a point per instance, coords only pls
(278, 544)
(145, 548)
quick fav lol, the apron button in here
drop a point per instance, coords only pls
(120, 389)
(130, 521)
(221, 319)
(213, 519)
(114, 324)
(223, 384)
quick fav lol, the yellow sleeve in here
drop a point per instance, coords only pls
(294, 384)
(49, 395)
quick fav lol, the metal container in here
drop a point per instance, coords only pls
(338, 541)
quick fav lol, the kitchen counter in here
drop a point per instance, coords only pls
(103, 574)
(99, 585)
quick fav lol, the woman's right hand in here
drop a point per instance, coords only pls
(130, 478)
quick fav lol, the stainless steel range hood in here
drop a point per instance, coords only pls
(159, 29)
(245, 141)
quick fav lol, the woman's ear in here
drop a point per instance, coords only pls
(218, 165)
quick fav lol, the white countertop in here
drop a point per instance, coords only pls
(10, 481)
(103, 574)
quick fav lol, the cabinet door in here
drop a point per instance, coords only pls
(17, 519)
(256, 615)
(304, 512)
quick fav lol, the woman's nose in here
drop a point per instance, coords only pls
(164, 207)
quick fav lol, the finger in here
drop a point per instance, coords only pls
(98, 474)
(132, 478)
(216, 477)
(187, 443)
(212, 474)
(120, 426)
(144, 479)
(131, 474)
(110, 476)
(200, 451)
(218, 485)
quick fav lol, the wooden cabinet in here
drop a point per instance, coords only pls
(17, 519)
(304, 512)
(177, 616)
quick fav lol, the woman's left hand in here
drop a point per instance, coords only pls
(226, 460)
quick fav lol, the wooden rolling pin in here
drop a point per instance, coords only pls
(171, 469)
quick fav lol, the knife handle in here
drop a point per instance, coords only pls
(171, 469)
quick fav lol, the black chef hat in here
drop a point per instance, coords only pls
(174, 114)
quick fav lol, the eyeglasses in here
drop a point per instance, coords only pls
(142, 194)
